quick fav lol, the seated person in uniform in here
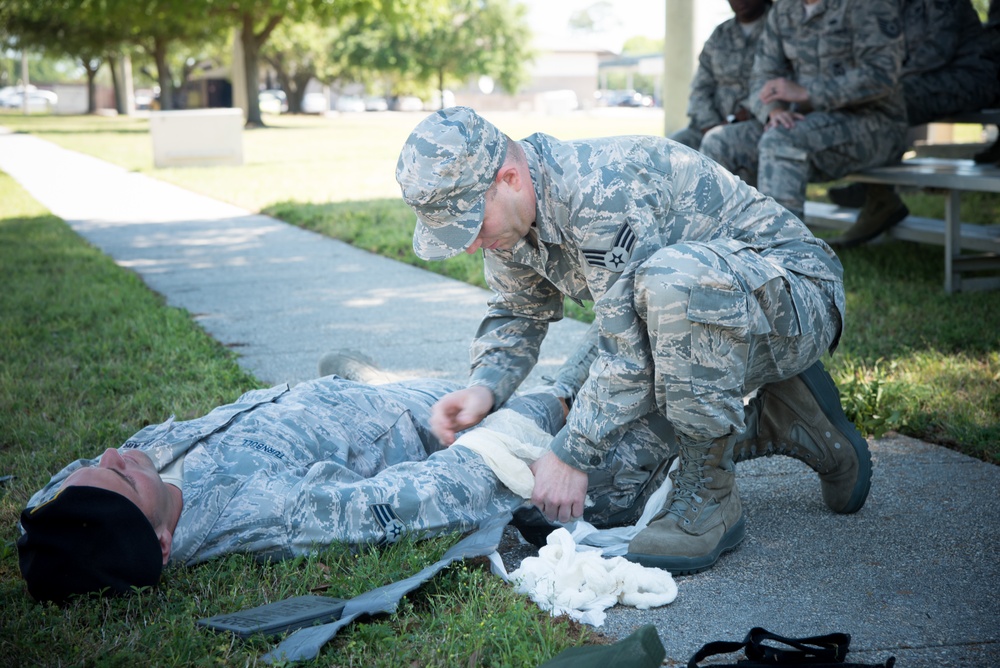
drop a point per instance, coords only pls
(947, 70)
(825, 96)
(721, 84)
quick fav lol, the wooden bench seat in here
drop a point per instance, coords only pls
(952, 178)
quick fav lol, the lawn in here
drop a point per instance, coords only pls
(88, 355)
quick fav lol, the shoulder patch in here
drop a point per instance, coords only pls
(617, 257)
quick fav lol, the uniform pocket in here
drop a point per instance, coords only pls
(779, 309)
(725, 308)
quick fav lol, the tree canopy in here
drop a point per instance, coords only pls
(447, 42)
(439, 42)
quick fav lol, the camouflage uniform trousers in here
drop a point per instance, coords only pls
(688, 136)
(824, 146)
(722, 321)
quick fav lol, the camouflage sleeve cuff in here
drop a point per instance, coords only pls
(494, 381)
(764, 114)
(569, 452)
(818, 101)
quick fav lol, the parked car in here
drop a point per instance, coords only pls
(38, 100)
(6, 93)
(144, 98)
(273, 101)
(376, 103)
(315, 103)
(624, 98)
(408, 103)
(349, 103)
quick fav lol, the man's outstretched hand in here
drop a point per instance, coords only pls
(559, 489)
(460, 410)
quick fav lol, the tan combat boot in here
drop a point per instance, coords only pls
(801, 417)
(702, 516)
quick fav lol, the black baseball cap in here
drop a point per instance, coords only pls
(87, 539)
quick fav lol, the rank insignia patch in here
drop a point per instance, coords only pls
(616, 258)
(390, 523)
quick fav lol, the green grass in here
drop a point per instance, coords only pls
(88, 356)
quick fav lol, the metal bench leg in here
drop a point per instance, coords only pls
(952, 242)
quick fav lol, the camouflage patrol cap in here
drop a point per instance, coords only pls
(444, 170)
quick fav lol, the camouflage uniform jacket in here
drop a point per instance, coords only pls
(265, 475)
(943, 32)
(603, 207)
(847, 55)
(722, 82)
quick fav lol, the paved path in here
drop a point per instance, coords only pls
(915, 574)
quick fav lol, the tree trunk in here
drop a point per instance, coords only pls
(299, 83)
(163, 74)
(294, 85)
(294, 95)
(116, 84)
(441, 87)
(91, 70)
(251, 61)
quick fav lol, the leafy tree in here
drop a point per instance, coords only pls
(642, 46)
(298, 53)
(452, 41)
(81, 30)
(476, 37)
(160, 26)
(258, 19)
(41, 68)
(597, 17)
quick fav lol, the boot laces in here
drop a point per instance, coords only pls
(688, 480)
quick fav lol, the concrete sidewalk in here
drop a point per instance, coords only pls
(912, 575)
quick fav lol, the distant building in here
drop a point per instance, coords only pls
(561, 79)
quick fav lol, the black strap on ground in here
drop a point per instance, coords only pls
(763, 649)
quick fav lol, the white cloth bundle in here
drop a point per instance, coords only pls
(577, 573)
(582, 584)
